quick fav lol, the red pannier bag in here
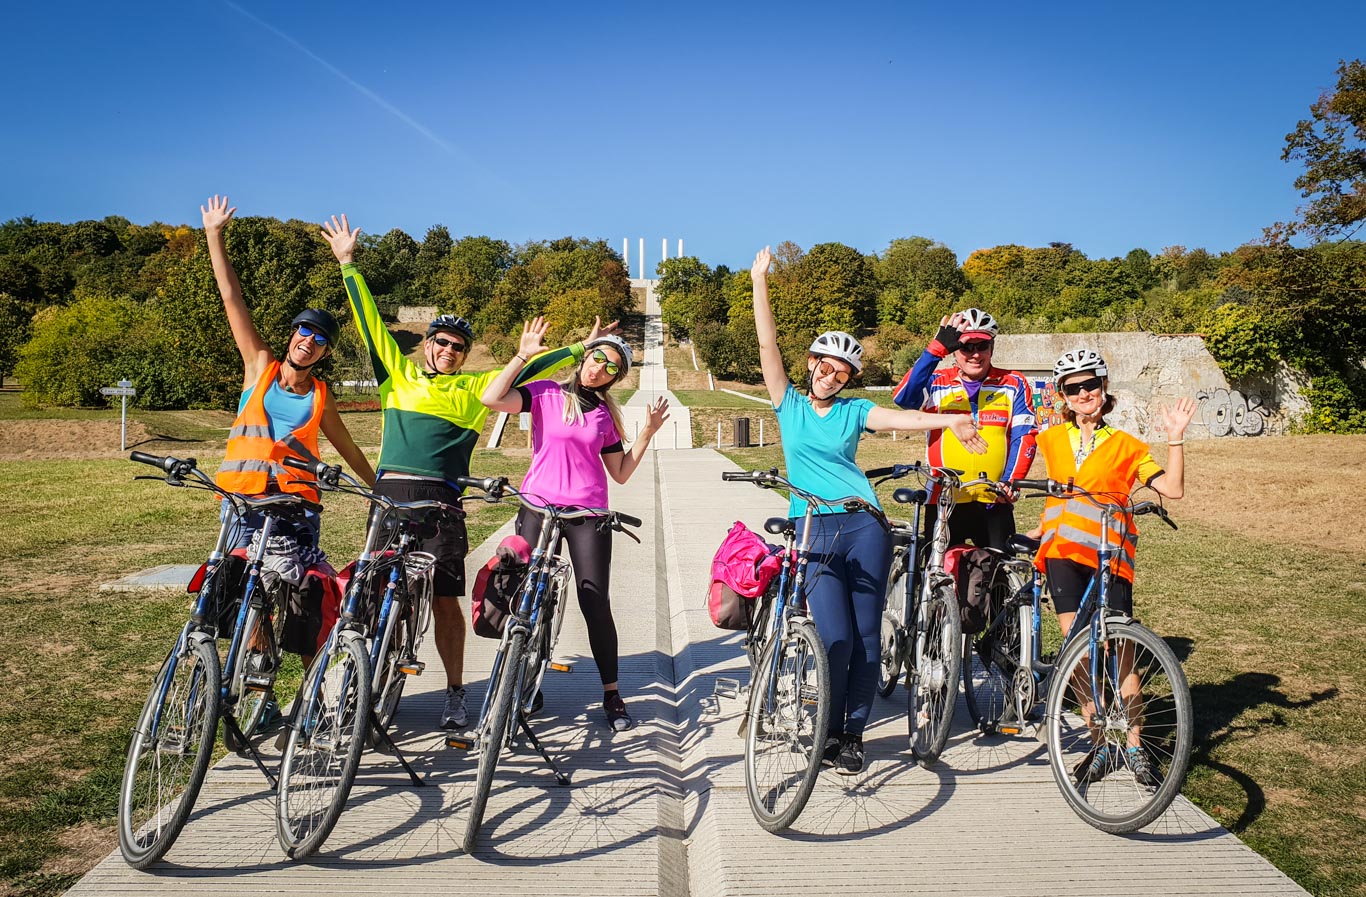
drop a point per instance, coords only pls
(743, 567)
(496, 586)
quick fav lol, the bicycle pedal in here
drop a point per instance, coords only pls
(460, 742)
(560, 666)
(726, 688)
(412, 667)
(1009, 730)
(257, 683)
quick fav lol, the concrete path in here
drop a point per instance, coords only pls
(654, 382)
(661, 809)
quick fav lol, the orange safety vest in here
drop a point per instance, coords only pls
(1071, 526)
(253, 457)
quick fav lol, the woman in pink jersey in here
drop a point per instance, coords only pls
(576, 442)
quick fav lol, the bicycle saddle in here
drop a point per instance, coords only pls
(779, 526)
(1021, 544)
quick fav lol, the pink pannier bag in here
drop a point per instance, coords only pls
(743, 567)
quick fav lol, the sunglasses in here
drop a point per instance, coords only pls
(974, 348)
(1090, 385)
(826, 369)
(452, 344)
(611, 367)
(319, 338)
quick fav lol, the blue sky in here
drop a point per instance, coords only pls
(729, 125)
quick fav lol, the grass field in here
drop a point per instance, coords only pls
(1262, 592)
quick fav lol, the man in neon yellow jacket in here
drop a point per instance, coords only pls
(431, 422)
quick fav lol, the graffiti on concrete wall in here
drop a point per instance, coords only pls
(1227, 412)
(1047, 408)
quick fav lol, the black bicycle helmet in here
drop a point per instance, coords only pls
(321, 320)
(454, 324)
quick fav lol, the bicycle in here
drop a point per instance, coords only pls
(922, 630)
(788, 710)
(352, 690)
(1111, 663)
(527, 645)
(168, 756)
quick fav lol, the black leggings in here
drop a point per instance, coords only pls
(590, 552)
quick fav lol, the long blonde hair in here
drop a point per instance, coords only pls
(573, 390)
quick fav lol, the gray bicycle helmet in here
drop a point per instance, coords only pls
(452, 324)
(838, 344)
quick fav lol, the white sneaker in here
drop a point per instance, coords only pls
(455, 715)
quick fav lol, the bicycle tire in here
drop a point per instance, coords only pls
(387, 688)
(324, 748)
(933, 668)
(491, 740)
(542, 642)
(157, 793)
(249, 707)
(1117, 802)
(890, 660)
(990, 659)
(789, 711)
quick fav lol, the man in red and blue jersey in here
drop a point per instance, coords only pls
(1001, 404)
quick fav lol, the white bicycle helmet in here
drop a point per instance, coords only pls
(977, 322)
(1079, 361)
(616, 343)
(838, 344)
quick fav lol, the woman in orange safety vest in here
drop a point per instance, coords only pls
(1096, 457)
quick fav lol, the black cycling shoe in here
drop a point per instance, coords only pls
(618, 719)
(537, 702)
(850, 759)
(833, 744)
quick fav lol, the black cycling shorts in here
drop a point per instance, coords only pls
(451, 542)
(1069, 580)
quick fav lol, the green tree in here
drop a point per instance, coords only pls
(473, 269)
(15, 322)
(690, 292)
(1332, 145)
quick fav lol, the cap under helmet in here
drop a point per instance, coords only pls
(616, 342)
(838, 344)
(452, 323)
(974, 320)
(319, 319)
(1079, 361)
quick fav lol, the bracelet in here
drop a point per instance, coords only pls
(1177, 442)
(525, 360)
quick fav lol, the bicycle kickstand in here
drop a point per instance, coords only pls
(536, 743)
(384, 734)
(231, 723)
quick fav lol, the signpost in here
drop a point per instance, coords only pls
(124, 390)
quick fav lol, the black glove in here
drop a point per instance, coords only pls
(949, 337)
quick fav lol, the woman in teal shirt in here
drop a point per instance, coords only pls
(850, 552)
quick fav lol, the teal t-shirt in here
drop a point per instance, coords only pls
(286, 411)
(819, 451)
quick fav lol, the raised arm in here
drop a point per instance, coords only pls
(1172, 482)
(255, 352)
(385, 355)
(501, 392)
(620, 465)
(880, 418)
(770, 358)
(335, 430)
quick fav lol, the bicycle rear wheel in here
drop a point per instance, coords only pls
(990, 661)
(324, 747)
(258, 662)
(495, 734)
(169, 754)
(387, 690)
(1124, 769)
(934, 665)
(789, 707)
(889, 666)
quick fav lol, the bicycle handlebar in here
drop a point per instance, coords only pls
(770, 479)
(496, 488)
(1056, 489)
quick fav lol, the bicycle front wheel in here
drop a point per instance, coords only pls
(1119, 746)
(324, 747)
(169, 754)
(494, 735)
(789, 708)
(932, 690)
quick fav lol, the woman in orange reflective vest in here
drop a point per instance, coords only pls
(1099, 458)
(283, 406)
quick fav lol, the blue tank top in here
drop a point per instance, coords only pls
(286, 411)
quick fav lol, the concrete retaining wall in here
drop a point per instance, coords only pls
(416, 314)
(1148, 370)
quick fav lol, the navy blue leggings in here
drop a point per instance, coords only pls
(846, 579)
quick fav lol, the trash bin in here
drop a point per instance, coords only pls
(742, 432)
